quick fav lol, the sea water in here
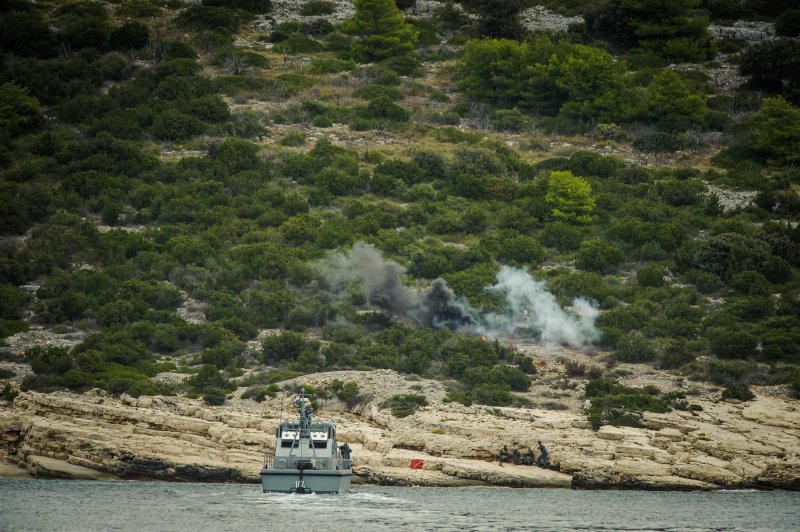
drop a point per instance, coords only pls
(153, 506)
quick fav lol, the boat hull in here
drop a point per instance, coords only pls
(317, 481)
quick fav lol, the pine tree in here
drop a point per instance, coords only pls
(569, 196)
(499, 19)
(382, 31)
(672, 105)
(670, 29)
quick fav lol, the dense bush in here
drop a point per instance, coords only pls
(772, 65)
(652, 275)
(730, 253)
(739, 391)
(317, 8)
(499, 71)
(598, 256)
(634, 348)
(616, 404)
(210, 383)
(403, 405)
(672, 31)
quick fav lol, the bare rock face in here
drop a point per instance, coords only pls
(539, 18)
(752, 444)
(743, 30)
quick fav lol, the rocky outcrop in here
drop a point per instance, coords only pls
(727, 445)
(743, 30)
(540, 19)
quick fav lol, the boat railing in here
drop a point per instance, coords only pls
(268, 461)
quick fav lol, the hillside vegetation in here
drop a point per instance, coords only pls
(238, 192)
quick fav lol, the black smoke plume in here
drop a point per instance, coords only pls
(382, 283)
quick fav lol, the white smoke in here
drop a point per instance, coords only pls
(529, 309)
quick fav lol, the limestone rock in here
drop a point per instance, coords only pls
(91, 435)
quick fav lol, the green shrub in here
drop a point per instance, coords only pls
(634, 348)
(236, 61)
(8, 393)
(739, 391)
(260, 393)
(680, 193)
(49, 360)
(492, 394)
(130, 36)
(465, 398)
(404, 65)
(286, 345)
(730, 253)
(293, 138)
(210, 383)
(504, 376)
(313, 8)
(175, 125)
(598, 255)
(347, 392)
(659, 141)
(403, 405)
(508, 119)
(290, 84)
(562, 236)
(254, 6)
(211, 18)
(615, 404)
(372, 91)
(788, 23)
(12, 301)
(330, 65)
(676, 354)
(214, 397)
(652, 275)
(383, 107)
(729, 342)
(497, 71)
(298, 43)
(723, 372)
(11, 327)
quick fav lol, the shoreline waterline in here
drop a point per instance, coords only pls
(13, 471)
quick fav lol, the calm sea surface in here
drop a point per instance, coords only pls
(84, 505)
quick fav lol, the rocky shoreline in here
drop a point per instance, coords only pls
(727, 445)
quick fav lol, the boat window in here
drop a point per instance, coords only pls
(287, 443)
(320, 444)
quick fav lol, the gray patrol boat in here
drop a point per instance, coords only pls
(307, 458)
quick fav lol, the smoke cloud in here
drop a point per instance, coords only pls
(529, 310)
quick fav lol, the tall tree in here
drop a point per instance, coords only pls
(499, 19)
(382, 31)
(778, 135)
(774, 66)
(578, 81)
(672, 105)
(569, 197)
(670, 29)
